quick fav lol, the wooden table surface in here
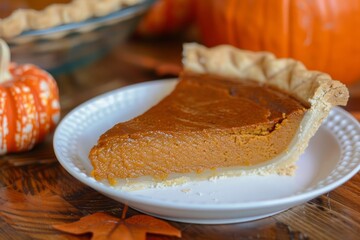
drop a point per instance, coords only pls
(37, 192)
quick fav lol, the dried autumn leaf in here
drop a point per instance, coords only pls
(104, 226)
(27, 216)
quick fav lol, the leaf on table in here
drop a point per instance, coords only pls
(103, 226)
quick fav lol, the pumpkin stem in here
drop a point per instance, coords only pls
(4, 61)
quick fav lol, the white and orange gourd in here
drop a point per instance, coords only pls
(29, 104)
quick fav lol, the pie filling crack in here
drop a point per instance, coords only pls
(229, 115)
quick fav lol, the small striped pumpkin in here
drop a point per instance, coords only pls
(29, 104)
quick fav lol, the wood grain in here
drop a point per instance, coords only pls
(36, 192)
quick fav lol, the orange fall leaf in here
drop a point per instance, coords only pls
(103, 226)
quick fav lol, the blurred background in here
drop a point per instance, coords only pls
(143, 41)
(322, 34)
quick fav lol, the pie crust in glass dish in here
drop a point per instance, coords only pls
(17, 16)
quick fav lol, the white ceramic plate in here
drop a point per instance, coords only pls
(333, 157)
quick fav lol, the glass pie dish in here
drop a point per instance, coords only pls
(66, 47)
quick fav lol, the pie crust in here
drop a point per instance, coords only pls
(58, 14)
(316, 90)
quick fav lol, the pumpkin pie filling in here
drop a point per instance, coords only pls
(232, 113)
(207, 122)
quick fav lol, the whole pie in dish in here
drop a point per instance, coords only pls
(232, 113)
(17, 16)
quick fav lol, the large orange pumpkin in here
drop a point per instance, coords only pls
(324, 34)
(29, 104)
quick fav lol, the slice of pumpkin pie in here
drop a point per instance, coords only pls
(232, 113)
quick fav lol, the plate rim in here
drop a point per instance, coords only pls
(132, 197)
